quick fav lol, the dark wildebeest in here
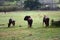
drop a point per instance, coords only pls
(55, 23)
(29, 20)
(46, 20)
(11, 22)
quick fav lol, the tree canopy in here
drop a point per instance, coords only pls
(32, 4)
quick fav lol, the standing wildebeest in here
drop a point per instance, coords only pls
(11, 22)
(46, 20)
(29, 20)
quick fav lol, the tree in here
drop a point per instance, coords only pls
(32, 4)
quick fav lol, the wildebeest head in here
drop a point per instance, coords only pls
(26, 18)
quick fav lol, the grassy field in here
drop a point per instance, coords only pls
(37, 32)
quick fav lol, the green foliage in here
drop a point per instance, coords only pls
(7, 8)
(12, 0)
(32, 4)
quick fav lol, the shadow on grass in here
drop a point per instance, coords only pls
(41, 27)
(6, 27)
(54, 27)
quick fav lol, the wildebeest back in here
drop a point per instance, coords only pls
(26, 18)
(45, 19)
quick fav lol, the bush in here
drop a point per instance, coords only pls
(7, 8)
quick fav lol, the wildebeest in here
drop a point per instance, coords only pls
(11, 22)
(55, 23)
(46, 20)
(29, 20)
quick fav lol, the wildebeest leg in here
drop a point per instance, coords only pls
(30, 23)
(9, 24)
(13, 23)
(47, 24)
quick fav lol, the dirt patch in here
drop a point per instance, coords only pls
(3, 34)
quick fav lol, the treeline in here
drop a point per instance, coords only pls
(7, 8)
(7, 5)
(10, 0)
(12, 5)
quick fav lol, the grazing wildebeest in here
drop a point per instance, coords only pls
(55, 23)
(29, 20)
(46, 20)
(11, 22)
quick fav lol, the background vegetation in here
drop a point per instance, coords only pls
(11, 5)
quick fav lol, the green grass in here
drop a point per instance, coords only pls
(37, 32)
